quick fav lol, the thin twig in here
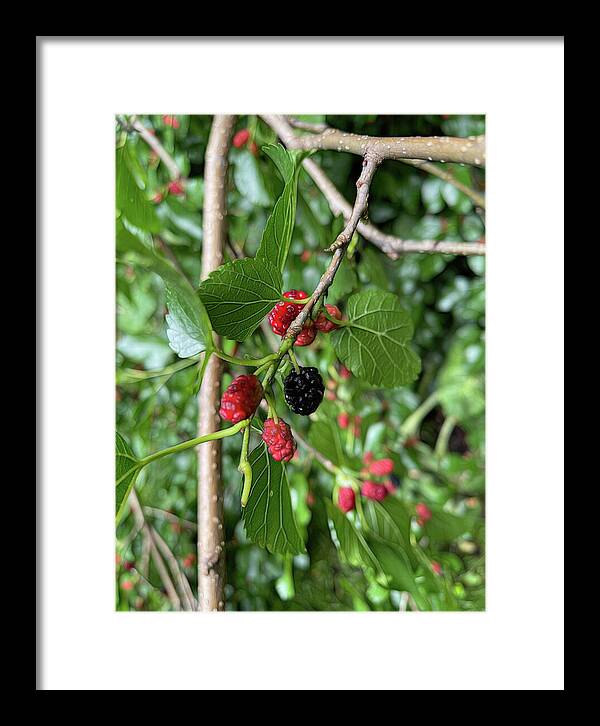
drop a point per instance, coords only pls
(323, 460)
(392, 246)
(477, 198)
(316, 128)
(170, 517)
(161, 568)
(157, 147)
(370, 163)
(168, 252)
(185, 591)
(145, 556)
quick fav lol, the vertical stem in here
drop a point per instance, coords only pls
(245, 468)
(441, 445)
(211, 543)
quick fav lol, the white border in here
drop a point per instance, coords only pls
(517, 644)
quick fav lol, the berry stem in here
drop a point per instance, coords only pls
(337, 321)
(296, 301)
(412, 423)
(261, 369)
(244, 466)
(254, 362)
(272, 412)
(441, 445)
(294, 360)
(184, 445)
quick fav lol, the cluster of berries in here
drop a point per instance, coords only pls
(241, 139)
(303, 392)
(175, 187)
(284, 313)
(370, 488)
(171, 121)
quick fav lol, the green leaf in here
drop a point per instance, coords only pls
(344, 282)
(375, 343)
(188, 325)
(446, 527)
(387, 563)
(268, 517)
(325, 438)
(372, 266)
(398, 572)
(388, 521)
(126, 471)
(249, 179)
(351, 544)
(131, 200)
(239, 294)
(283, 160)
(277, 236)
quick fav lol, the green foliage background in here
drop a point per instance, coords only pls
(444, 296)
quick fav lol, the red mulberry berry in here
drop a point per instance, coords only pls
(283, 313)
(436, 567)
(343, 420)
(307, 335)
(241, 138)
(253, 148)
(189, 559)
(423, 512)
(381, 467)
(346, 499)
(345, 373)
(324, 325)
(279, 440)
(389, 485)
(171, 121)
(176, 188)
(372, 490)
(241, 399)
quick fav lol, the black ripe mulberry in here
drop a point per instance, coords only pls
(304, 391)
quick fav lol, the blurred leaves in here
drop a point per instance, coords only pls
(382, 552)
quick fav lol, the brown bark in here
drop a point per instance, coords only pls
(392, 246)
(211, 543)
(428, 148)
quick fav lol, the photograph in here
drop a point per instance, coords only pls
(300, 362)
